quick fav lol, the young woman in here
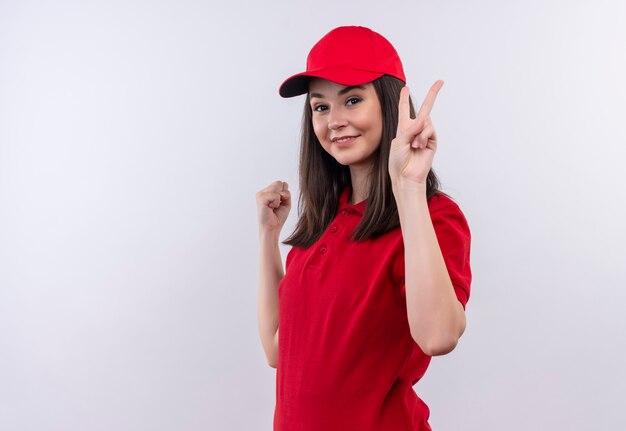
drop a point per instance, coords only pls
(378, 275)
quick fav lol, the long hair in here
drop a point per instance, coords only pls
(322, 178)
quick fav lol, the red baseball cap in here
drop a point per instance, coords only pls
(349, 55)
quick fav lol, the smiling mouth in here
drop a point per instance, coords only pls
(344, 140)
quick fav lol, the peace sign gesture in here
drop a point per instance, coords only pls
(413, 149)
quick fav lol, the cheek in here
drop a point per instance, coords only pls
(378, 124)
(374, 127)
(379, 129)
(319, 129)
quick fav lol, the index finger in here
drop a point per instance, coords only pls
(429, 100)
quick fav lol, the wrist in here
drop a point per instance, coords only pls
(269, 236)
(409, 195)
(402, 187)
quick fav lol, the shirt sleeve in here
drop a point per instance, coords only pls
(454, 238)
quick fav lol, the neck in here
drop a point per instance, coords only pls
(360, 184)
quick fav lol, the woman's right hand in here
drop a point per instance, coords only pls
(273, 206)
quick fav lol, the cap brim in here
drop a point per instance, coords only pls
(299, 84)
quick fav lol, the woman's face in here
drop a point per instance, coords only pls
(353, 113)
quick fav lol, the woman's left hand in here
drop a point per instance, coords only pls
(413, 149)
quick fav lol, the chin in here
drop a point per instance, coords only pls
(350, 162)
(345, 161)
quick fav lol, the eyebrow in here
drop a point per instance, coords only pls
(341, 92)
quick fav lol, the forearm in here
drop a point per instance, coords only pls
(270, 274)
(435, 315)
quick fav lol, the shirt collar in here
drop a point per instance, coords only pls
(359, 207)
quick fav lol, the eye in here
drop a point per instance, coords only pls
(356, 99)
(315, 108)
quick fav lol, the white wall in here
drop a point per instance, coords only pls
(134, 135)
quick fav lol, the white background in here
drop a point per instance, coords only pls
(134, 135)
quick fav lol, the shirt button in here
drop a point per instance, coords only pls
(333, 229)
(323, 249)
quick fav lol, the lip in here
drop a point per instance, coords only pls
(348, 142)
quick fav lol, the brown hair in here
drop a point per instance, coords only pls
(322, 178)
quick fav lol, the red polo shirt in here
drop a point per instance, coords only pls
(346, 358)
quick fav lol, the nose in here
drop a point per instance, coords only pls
(336, 119)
